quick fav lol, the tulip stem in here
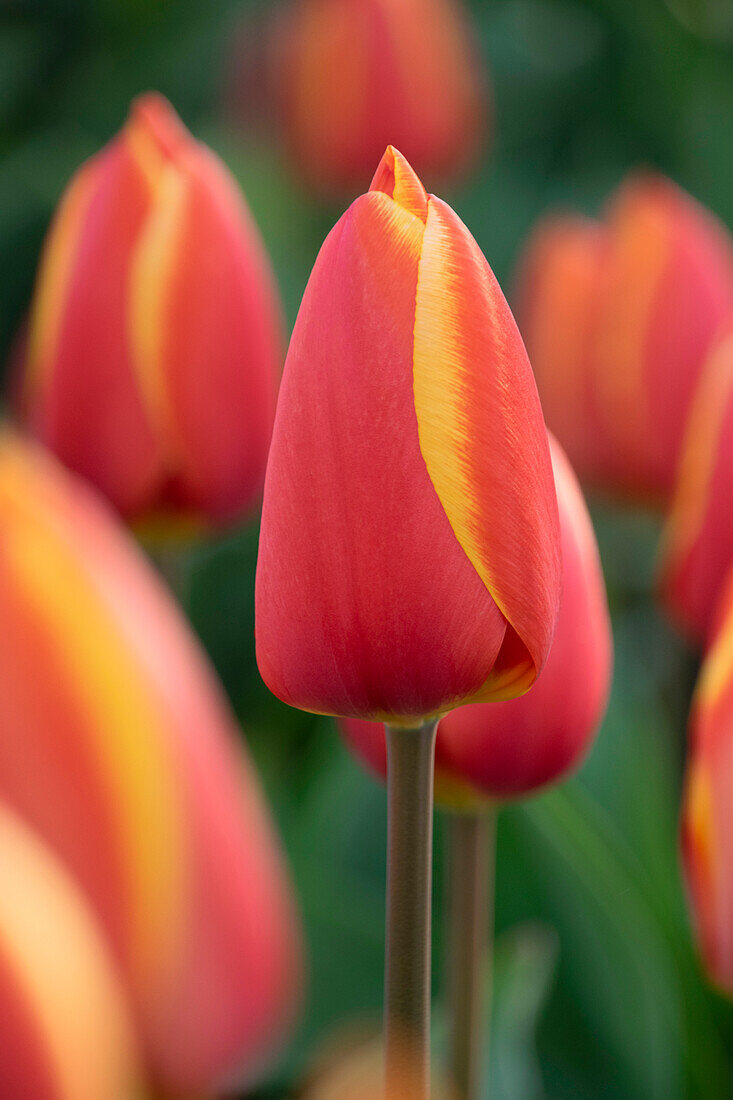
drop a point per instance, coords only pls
(470, 903)
(410, 764)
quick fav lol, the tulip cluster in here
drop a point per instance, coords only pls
(353, 76)
(618, 317)
(154, 342)
(118, 749)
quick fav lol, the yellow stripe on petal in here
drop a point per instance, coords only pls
(697, 464)
(55, 273)
(396, 178)
(60, 965)
(128, 721)
(151, 273)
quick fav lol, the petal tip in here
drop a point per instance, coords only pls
(396, 178)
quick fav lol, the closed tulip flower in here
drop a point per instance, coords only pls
(154, 342)
(662, 285)
(353, 75)
(707, 814)
(409, 549)
(119, 749)
(66, 1033)
(697, 547)
(510, 749)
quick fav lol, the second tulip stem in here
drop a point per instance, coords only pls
(410, 756)
(472, 840)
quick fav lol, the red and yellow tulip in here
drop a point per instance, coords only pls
(118, 748)
(509, 749)
(697, 549)
(707, 815)
(154, 342)
(618, 319)
(66, 1033)
(354, 75)
(409, 552)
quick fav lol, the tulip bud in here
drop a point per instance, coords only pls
(509, 749)
(66, 1034)
(353, 75)
(651, 285)
(697, 546)
(707, 813)
(154, 344)
(119, 749)
(409, 549)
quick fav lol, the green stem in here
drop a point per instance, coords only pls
(410, 762)
(472, 846)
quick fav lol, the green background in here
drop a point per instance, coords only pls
(599, 992)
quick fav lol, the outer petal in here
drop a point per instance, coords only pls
(557, 299)
(366, 604)
(119, 749)
(484, 442)
(205, 326)
(503, 750)
(698, 539)
(667, 288)
(82, 397)
(66, 1032)
(707, 815)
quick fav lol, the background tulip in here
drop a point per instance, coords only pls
(354, 75)
(154, 342)
(66, 1034)
(119, 749)
(662, 288)
(507, 749)
(697, 549)
(409, 549)
(707, 814)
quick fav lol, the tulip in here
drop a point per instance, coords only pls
(707, 813)
(648, 289)
(154, 342)
(353, 75)
(119, 749)
(697, 546)
(66, 1033)
(409, 548)
(505, 750)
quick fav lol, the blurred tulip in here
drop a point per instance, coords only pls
(155, 340)
(409, 550)
(697, 547)
(707, 814)
(63, 1020)
(352, 76)
(508, 749)
(640, 301)
(118, 747)
(352, 1068)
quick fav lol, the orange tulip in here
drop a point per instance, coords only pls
(508, 749)
(409, 549)
(618, 317)
(66, 1034)
(697, 547)
(119, 749)
(707, 814)
(154, 343)
(354, 75)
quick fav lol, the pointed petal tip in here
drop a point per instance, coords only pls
(152, 113)
(396, 178)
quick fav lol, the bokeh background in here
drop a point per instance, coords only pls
(598, 988)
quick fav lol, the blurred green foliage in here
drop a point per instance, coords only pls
(599, 992)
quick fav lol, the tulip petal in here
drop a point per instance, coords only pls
(484, 443)
(366, 603)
